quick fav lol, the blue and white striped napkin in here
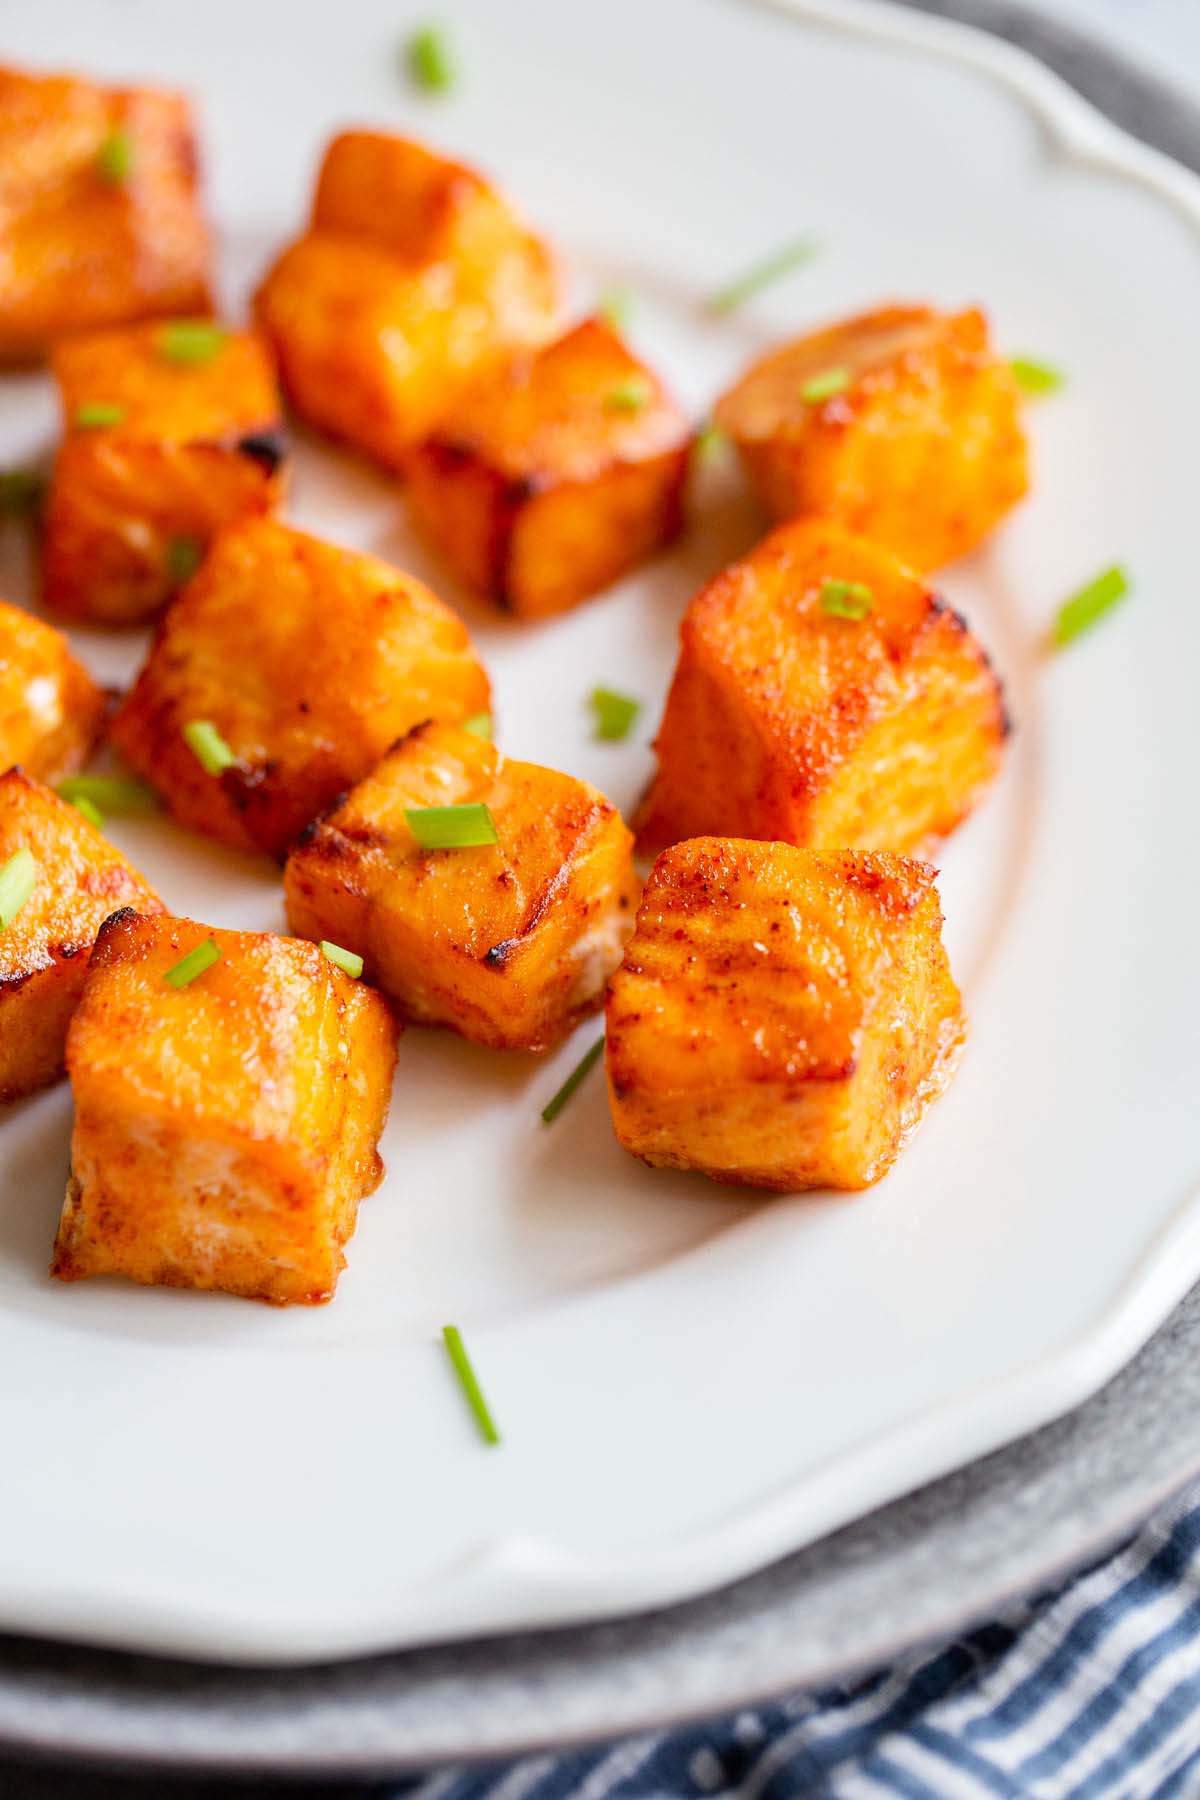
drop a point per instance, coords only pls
(1090, 1693)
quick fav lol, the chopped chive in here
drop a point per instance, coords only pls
(615, 307)
(184, 556)
(345, 959)
(457, 1351)
(98, 413)
(479, 725)
(846, 599)
(825, 385)
(613, 713)
(16, 885)
(116, 793)
(761, 275)
(1036, 377)
(20, 492)
(90, 811)
(114, 158)
(452, 827)
(628, 396)
(193, 964)
(208, 746)
(431, 60)
(708, 440)
(578, 1074)
(1089, 605)
(190, 341)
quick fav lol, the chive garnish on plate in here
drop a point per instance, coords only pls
(16, 885)
(430, 60)
(708, 440)
(94, 415)
(577, 1076)
(761, 275)
(846, 599)
(114, 158)
(90, 811)
(469, 1382)
(346, 960)
(614, 308)
(190, 341)
(452, 827)
(479, 725)
(112, 793)
(825, 385)
(1088, 605)
(1034, 376)
(208, 746)
(193, 964)
(614, 713)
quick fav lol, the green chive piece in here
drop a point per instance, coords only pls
(190, 341)
(114, 158)
(825, 385)
(1089, 605)
(115, 793)
(20, 492)
(193, 964)
(90, 811)
(452, 827)
(846, 599)
(479, 725)
(208, 746)
(431, 60)
(629, 396)
(709, 439)
(345, 959)
(468, 1381)
(1036, 377)
(615, 308)
(97, 414)
(614, 713)
(577, 1076)
(772, 268)
(184, 556)
(16, 885)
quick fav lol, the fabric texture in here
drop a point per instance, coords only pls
(1089, 1693)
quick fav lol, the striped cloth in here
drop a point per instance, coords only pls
(1089, 1693)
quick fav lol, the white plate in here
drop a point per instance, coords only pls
(688, 1384)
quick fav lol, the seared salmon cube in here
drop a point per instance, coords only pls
(170, 431)
(413, 277)
(782, 1017)
(303, 662)
(225, 1129)
(903, 424)
(77, 879)
(51, 711)
(507, 942)
(824, 695)
(555, 476)
(100, 219)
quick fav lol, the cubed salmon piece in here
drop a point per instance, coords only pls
(903, 424)
(51, 711)
(170, 431)
(782, 1017)
(100, 218)
(507, 943)
(556, 475)
(415, 276)
(824, 695)
(225, 1130)
(78, 880)
(309, 661)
